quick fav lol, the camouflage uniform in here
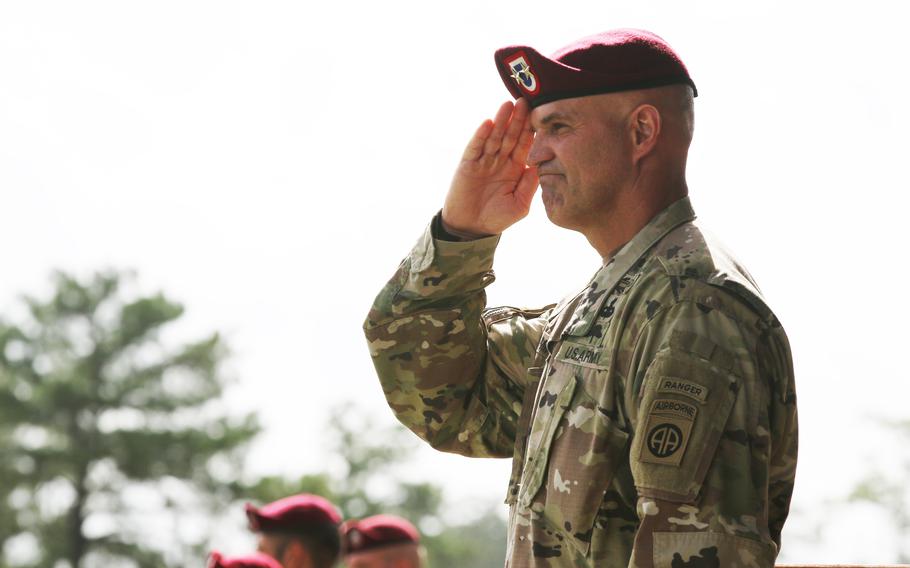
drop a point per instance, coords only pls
(651, 418)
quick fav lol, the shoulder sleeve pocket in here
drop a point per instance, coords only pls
(684, 405)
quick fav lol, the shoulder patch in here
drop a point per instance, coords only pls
(673, 407)
(667, 431)
(690, 389)
(666, 439)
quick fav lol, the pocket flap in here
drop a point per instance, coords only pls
(551, 405)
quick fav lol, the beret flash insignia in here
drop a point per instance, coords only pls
(521, 72)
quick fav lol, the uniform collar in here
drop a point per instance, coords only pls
(610, 274)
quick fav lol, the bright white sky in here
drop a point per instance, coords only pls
(269, 163)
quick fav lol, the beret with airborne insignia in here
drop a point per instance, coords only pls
(609, 62)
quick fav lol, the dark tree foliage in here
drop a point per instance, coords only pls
(108, 432)
(371, 457)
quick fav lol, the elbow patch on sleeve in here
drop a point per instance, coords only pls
(684, 406)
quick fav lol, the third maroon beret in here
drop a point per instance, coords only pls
(375, 532)
(617, 60)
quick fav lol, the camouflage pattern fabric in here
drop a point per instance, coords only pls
(651, 418)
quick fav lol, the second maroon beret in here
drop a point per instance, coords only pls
(297, 513)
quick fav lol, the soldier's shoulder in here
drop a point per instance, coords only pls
(689, 251)
(694, 261)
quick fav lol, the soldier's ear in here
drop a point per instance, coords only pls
(644, 129)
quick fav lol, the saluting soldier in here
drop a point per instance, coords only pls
(651, 417)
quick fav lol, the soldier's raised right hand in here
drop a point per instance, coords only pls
(493, 187)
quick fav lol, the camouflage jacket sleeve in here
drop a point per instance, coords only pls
(453, 373)
(711, 402)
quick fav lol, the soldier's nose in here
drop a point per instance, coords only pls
(539, 153)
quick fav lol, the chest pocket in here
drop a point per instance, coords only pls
(574, 447)
(555, 395)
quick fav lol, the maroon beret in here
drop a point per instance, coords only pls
(617, 60)
(375, 532)
(297, 513)
(254, 560)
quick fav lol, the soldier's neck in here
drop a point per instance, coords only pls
(630, 215)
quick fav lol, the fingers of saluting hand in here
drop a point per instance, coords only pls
(518, 125)
(509, 132)
(526, 187)
(500, 122)
(525, 140)
(475, 147)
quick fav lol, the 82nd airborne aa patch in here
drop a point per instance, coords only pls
(667, 431)
(520, 70)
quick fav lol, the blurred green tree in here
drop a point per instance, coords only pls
(109, 434)
(370, 460)
(888, 490)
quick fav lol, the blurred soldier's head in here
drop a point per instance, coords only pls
(299, 531)
(381, 541)
(255, 560)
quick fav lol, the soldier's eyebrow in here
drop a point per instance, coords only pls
(552, 117)
(555, 115)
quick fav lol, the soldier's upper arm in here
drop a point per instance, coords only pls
(699, 455)
(684, 405)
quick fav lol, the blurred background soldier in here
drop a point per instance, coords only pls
(381, 541)
(300, 531)
(254, 560)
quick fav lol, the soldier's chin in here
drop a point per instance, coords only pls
(552, 204)
(550, 198)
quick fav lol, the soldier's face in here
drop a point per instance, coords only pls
(396, 556)
(581, 158)
(365, 560)
(289, 552)
(273, 545)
